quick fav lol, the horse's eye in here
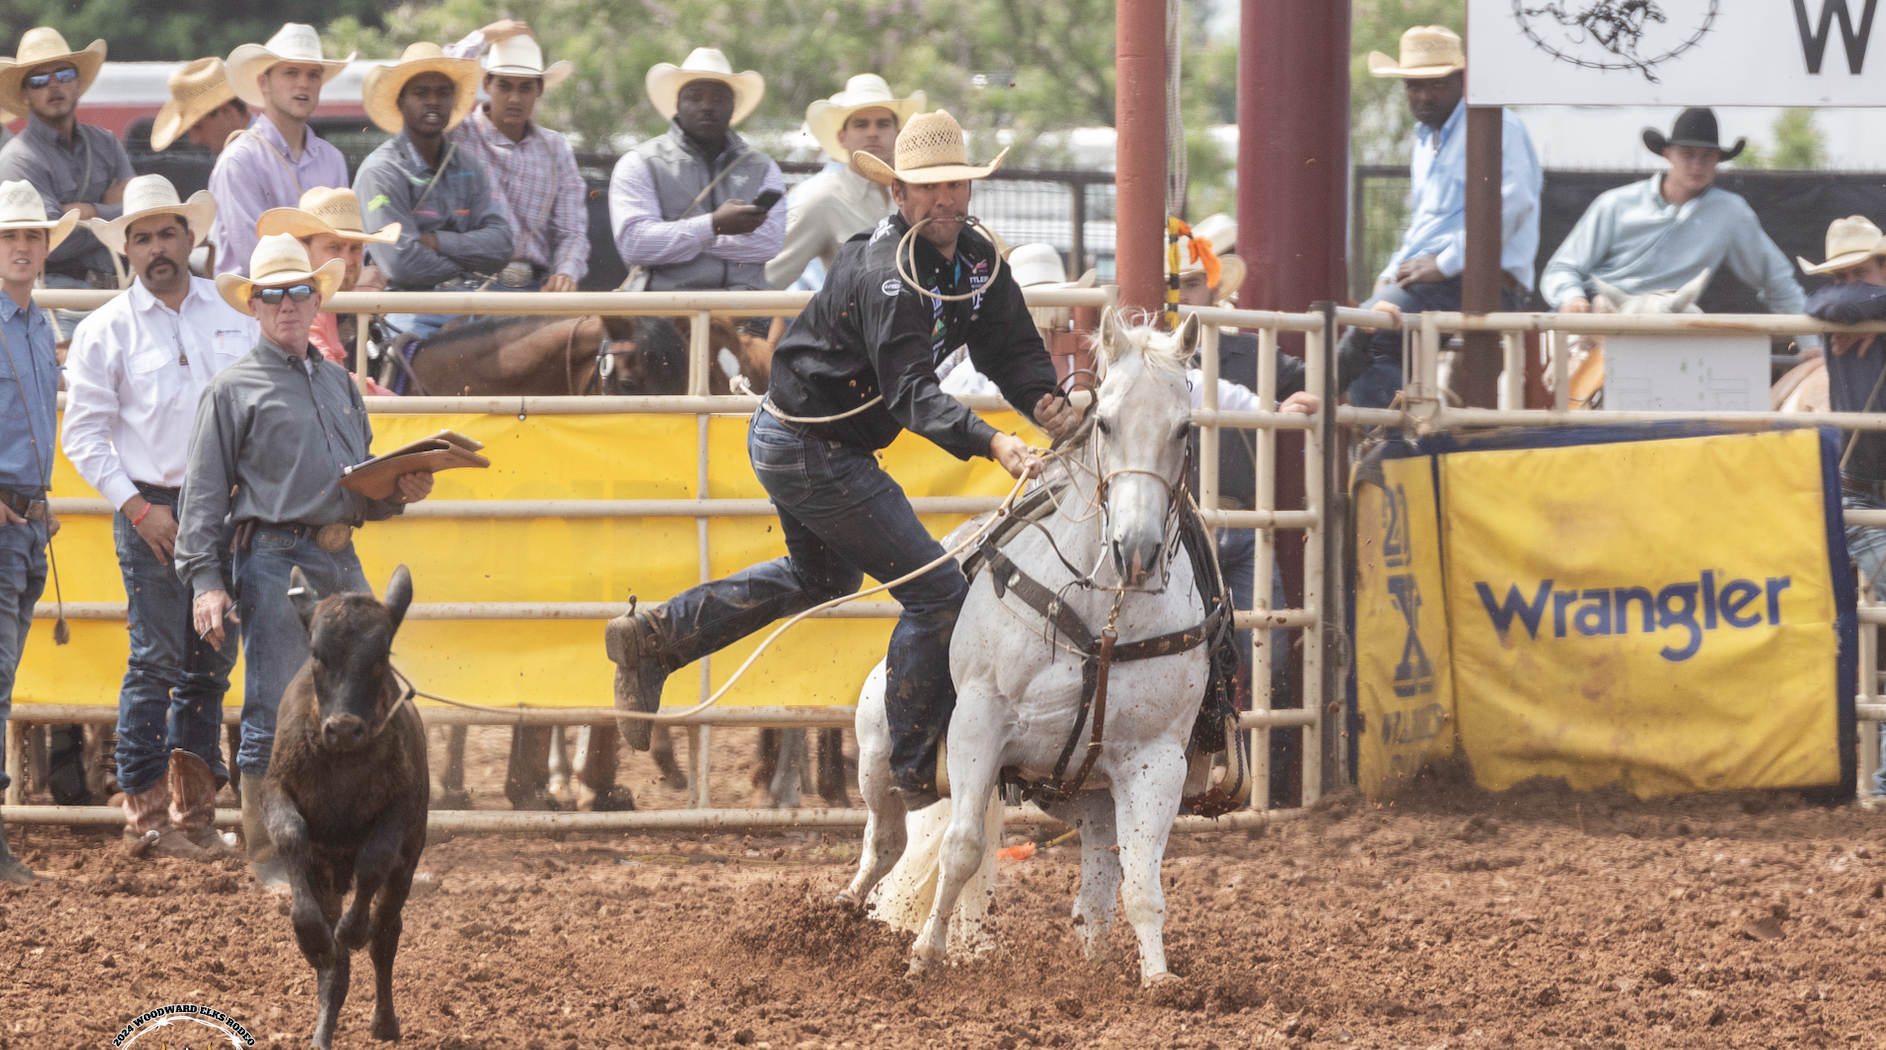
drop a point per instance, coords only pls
(1100, 424)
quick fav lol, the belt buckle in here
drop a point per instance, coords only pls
(333, 538)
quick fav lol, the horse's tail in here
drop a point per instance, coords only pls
(904, 897)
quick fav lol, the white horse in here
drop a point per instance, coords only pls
(1585, 365)
(1019, 686)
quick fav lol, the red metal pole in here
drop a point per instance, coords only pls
(1139, 108)
(1478, 380)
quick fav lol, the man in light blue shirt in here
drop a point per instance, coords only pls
(1659, 233)
(1424, 273)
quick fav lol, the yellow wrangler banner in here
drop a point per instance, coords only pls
(1404, 680)
(1669, 609)
(543, 662)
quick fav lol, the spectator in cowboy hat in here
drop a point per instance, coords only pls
(1424, 272)
(137, 367)
(1856, 374)
(328, 225)
(1660, 232)
(273, 434)
(531, 168)
(27, 436)
(75, 167)
(825, 210)
(680, 203)
(451, 225)
(277, 158)
(202, 106)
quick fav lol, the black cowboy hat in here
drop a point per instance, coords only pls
(1693, 127)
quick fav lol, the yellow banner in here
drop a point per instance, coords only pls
(1404, 679)
(1658, 613)
(557, 663)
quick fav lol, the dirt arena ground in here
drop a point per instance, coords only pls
(1537, 918)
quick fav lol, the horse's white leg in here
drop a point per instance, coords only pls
(973, 755)
(789, 775)
(1092, 812)
(884, 808)
(559, 782)
(1146, 801)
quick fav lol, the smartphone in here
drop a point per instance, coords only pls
(766, 200)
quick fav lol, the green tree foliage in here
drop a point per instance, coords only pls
(157, 31)
(1797, 145)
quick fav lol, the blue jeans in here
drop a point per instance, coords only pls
(175, 681)
(842, 517)
(1378, 384)
(1866, 545)
(425, 326)
(22, 578)
(274, 642)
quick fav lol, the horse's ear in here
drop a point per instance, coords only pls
(1687, 295)
(302, 596)
(1107, 340)
(399, 595)
(1188, 336)
(1610, 295)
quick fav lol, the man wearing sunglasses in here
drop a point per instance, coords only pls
(277, 428)
(75, 167)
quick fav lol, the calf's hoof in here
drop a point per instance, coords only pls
(385, 1026)
(11, 870)
(613, 799)
(353, 933)
(453, 798)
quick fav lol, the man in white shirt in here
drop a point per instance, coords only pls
(829, 208)
(135, 372)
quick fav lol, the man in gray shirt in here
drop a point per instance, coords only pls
(278, 427)
(75, 167)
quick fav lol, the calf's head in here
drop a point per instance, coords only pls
(350, 637)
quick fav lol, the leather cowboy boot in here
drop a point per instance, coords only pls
(11, 870)
(147, 827)
(634, 642)
(262, 860)
(193, 803)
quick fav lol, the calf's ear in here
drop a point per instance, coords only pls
(399, 594)
(302, 596)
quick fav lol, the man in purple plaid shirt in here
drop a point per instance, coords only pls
(531, 168)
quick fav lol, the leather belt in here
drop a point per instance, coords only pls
(330, 538)
(19, 503)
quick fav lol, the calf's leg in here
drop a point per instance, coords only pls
(378, 858)
(662, 750)
(831, 769)
(386, 930)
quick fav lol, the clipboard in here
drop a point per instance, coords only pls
(447, 450)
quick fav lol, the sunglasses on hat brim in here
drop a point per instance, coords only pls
(64, 76)
(273, 296)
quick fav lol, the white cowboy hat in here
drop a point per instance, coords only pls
(1220, 231)
(196, 91)
(1850, 242)
(665, 81)
(825, 117)
(294, 42)
(325, 209)
(42, 46)
(278, 262)
(519, 56)
(1036, 264)
(22, 208)
(148, 195)
(929, 149)
(1427, 53)
(379, 93)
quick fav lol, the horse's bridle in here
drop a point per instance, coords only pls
(606, 375)
(1177, 493)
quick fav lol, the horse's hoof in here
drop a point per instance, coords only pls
(922, 969)
(1163, 977)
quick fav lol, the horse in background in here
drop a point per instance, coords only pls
(1586, 367)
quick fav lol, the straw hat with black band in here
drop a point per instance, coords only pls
(665, 81)
(826, 117)
(379, 93)
(331, 210)
(22, 208)
(42, 47)
(279, 261)
(148, 195)
(1427, 53)
(293, 42)
(1850, 242)
(196, 90)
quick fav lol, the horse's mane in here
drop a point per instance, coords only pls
(1122, 334)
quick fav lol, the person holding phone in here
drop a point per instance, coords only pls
(684, 206)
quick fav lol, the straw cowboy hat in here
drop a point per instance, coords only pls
(22, 208)
(294, 42)
(665, 82)
(325, 209)
(279, 261)
(519, 56)
(1427, 53)
(196, 91)
(929, 149)
(825, 117)
(1850, 242)
(1693, 127)
(40, 47)
(148, 195)
(379, 93)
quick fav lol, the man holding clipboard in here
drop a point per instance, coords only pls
(280, 428)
